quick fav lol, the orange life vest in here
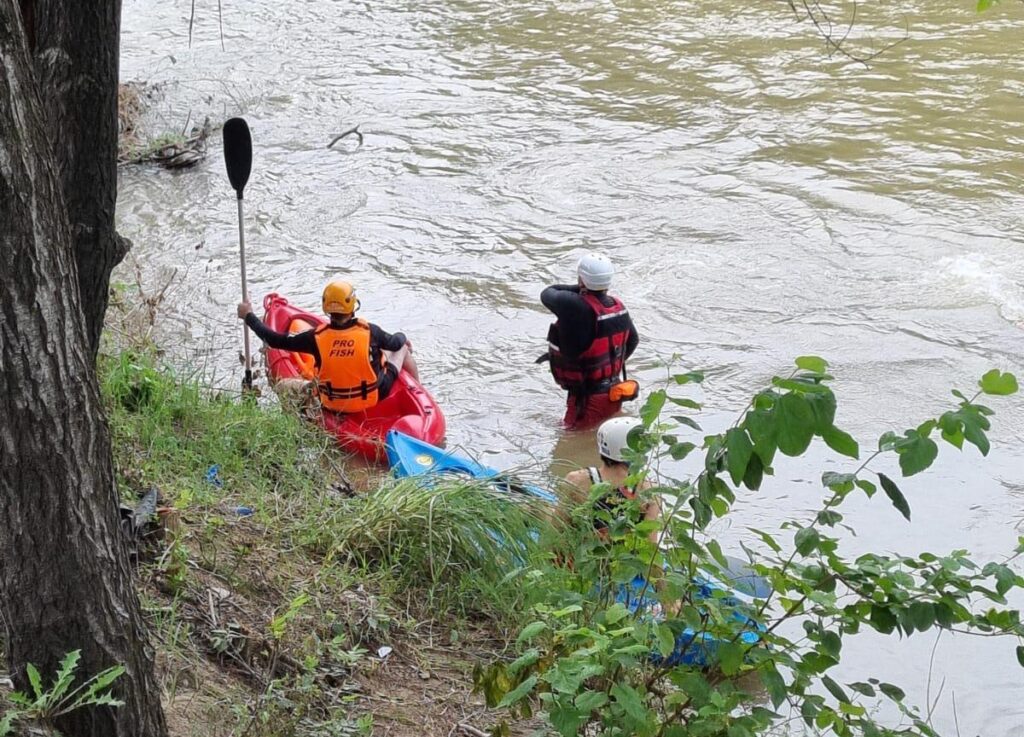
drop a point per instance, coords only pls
(346, 380)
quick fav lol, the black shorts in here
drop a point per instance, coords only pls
(387, 380)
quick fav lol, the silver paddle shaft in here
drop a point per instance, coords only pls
(245, 286)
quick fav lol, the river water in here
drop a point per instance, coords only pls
(761, 200)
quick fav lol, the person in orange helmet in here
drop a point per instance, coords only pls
(356, 361)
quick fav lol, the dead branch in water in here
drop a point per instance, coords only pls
(839, 42)
(349, 132)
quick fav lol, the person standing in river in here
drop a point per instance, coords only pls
(589, 343)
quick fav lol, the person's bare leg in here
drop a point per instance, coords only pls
(402, 359)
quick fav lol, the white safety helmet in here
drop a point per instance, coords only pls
(595, 270)
(613, 437)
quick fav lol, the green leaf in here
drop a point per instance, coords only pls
(531, 630)
(795, 424)
(615, 613)
(7, 723)
(738, 451)
(754, 474)
(627, 698)
(35, 681)
(767, 539)
(653, 406)
(864, 689)
(832, 644)
(760, 423)
(974, 432)
(730, 657)
(984, 5)
(523, 661)
(893, 692)
(98, 684)
(716, 552)
(882, 619)
(679, 451)
(688, 421)
(566, 721)
(666, 640)
(868, 487)
(694, 377)
(917, 454)
(823, 406)
(774, 685)
(739, 729)
(998, 383)
(895, 495)
(518, 692)
(1006, 579)
(587, 701)
(812, 363)
(1020, 655)
(21, 699)
(922, 614)
(684, 402)
(829, 518)
(807, 539)
(835, 689)
(66, 676)
(693, 684)
(841, 442)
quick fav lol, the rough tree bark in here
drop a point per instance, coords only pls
(76, 52)
(65, 581)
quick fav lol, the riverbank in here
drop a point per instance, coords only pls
(269, 616)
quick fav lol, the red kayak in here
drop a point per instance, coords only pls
(409, 408)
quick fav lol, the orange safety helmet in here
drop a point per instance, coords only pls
(340, 298)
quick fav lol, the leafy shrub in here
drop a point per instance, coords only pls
(689, 660)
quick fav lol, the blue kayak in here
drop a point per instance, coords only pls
(692, 648)
(409, 456)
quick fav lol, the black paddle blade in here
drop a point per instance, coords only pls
(238, 153)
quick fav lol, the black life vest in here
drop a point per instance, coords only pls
(610, 502)
(594, 370)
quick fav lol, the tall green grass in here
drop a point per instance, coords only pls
(454, 548)
(460, 542)
(170, 431)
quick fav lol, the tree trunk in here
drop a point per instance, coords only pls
(65, 582)
(76, 45)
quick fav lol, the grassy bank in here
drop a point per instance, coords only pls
(284, 601)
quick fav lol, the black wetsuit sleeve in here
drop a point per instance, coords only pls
(575, 318)
(633, 340)
(304, 342)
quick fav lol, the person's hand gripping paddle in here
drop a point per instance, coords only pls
(238, 158)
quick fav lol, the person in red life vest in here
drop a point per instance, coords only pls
(589, 343)
(356, 361)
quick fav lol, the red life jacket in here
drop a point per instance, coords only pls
(594, 370)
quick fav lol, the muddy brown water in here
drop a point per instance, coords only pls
(760, 199)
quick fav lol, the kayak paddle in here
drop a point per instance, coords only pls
(238, 158)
